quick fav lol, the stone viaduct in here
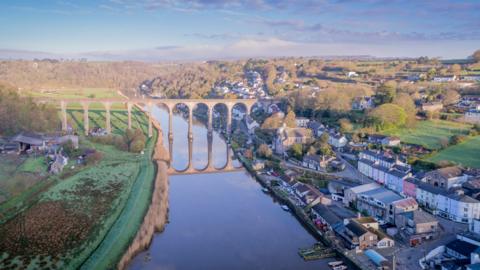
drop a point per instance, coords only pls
(147, 105)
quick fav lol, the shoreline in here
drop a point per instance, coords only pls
(157, 214)
(301, 216)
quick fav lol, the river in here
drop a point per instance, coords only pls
(221, 220)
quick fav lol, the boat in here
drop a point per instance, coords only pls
(340, 267)
(284, 207)
(318, 251)
(336, 263)
(266, 190)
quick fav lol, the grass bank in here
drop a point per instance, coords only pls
(122, 232)
(85, 216)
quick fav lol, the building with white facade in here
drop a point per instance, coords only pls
(453, 205)
(337, 140)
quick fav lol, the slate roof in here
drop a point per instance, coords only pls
(419, 216)
(29, 138)
(382, 195)
(326, 214)
(363, 188)
(461, 247)
(356, 228)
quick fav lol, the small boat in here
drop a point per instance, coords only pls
(336, 263)
(340, 267)
(284, 207)
(266, 190)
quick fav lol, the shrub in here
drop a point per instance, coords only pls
(137, 146)
(456, 139)
(264, 151)
(93, 158)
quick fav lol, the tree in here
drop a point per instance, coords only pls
(386, 92)
(272, 122)
(23, 114)
(290, 119)
(476, 56)
(345, 125)
(325, 149)
(388, 116)
(455, 69)
(296, 150)
(134, 140)
(406, 102)
(450, 97)
(324, 138)
(264, 151)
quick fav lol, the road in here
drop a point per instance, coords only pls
(408, 257)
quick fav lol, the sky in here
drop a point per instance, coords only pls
(155, 30)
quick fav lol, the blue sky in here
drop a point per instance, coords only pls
(207, 29)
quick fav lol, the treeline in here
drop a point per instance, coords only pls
(22, 114)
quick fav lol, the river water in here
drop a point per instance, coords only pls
(221, 220)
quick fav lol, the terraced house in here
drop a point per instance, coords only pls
(384, 168)
(451, 204)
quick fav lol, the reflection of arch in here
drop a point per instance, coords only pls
(170, 104)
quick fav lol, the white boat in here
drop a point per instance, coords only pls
(340, 267)
(284, 207)
(336, 263)
(265, 190)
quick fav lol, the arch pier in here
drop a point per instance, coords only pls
(148, 104)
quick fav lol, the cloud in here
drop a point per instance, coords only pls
(167, 47)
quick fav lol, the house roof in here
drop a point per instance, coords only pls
(419, 216)
(316, 158)
(29, 138)
(379, 155)
(405, 203)
(356, 229)
(398, 173)
(363, 188)
(382, 195)
(461, 247)
(302, 188)
(297, 132)
(448, 172)
(363, 220)
(472, 184)
(326, 214)
(315, 125)
(430, 188)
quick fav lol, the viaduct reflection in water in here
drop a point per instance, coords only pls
(209, 168)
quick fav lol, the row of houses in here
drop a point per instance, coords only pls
(384, 168)
(385, 206)
(440, 191)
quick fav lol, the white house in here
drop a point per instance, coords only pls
(302, 122)
(337, 140)
(455, 206)
(316, 162)
(444, 78)
(383, 169)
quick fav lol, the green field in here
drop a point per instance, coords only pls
(66, 93)
(118, 118)
(466, 153)
(84, 214)
(429, 133)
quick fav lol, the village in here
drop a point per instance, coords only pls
(364, 196)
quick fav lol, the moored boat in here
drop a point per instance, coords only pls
(284, 207)
(335, 263)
